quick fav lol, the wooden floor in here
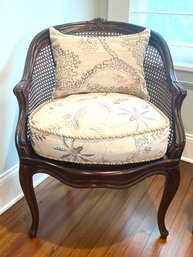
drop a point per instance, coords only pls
(101, 222)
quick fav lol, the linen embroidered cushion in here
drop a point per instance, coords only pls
(99, 64)
(99, 128)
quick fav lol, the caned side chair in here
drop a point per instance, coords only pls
(36, 88)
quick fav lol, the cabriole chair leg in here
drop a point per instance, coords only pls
(172, 179)
(26, 181)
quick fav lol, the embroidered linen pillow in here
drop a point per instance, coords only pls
(99, 64)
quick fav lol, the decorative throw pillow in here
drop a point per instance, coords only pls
(99, 64)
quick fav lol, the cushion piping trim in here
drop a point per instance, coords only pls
(107, 163)
(101, 137)
(98, 138)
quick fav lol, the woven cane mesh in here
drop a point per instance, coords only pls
(157, 84)
(43, 77)
(43, 80)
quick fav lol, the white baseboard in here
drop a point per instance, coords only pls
(187, 155)
(10, 190)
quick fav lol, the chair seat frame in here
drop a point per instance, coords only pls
(99, 176)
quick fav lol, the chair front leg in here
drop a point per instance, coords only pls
(26, 181)
(172, 180)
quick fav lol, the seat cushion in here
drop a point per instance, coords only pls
(99, 128)
(99, 64)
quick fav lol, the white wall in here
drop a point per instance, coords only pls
(20, 21)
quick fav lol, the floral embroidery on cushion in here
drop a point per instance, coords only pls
(158, 134)
(68, 63)
(38, 136)
(55, 128)
(99, 128)
(104, 106)
(99, 64)
(134, 46)
(58, 104)
(97, 131)
(71, 122)
(120, 80)
(141, 116)
(119, 100)
(87, 45)
(73, 152)
(143, 145)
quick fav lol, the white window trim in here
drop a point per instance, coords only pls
(119, 11)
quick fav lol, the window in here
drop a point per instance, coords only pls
(173, 19)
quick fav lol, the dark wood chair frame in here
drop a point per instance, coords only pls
(36, 87)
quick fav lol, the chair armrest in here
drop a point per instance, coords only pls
(21, 140)
(177, 146)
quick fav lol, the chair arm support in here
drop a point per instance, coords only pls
(176, 149)
(22, 144)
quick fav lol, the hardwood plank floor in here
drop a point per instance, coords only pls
(101, 222)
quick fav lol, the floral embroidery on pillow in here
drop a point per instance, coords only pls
(99, 64)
